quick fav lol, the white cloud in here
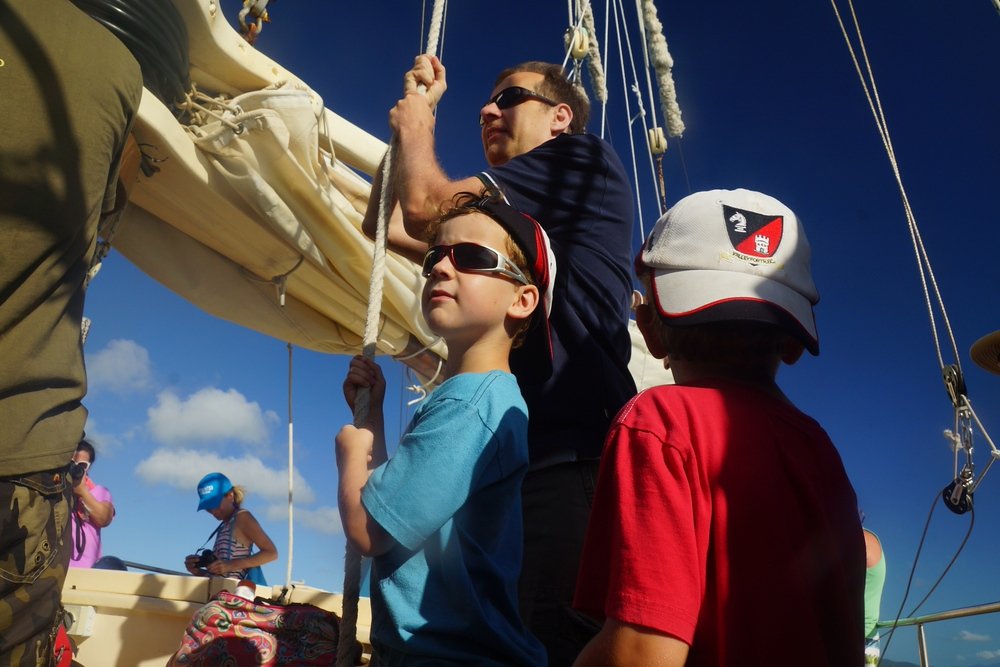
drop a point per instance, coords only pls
(122, 366)
(103, 442)
(967, 636)
(988, 655)
(209, 415)
(183, 468)
(321, 519)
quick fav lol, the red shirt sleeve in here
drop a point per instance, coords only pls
(643, 560)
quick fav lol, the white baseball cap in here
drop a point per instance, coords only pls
(725, 255)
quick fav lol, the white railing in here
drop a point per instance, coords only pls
(921, 621)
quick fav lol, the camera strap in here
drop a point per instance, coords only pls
(214, 533)
(79, 536)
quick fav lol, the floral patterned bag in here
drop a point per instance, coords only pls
(233, 631)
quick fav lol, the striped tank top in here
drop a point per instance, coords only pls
(227, 547)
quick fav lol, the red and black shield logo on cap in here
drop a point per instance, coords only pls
(753, 234)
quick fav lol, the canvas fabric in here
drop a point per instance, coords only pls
(287, 208)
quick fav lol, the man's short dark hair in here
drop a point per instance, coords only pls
(558, 87)
(85, 446)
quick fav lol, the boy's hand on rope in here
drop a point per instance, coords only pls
(366, 373)
(428, 72)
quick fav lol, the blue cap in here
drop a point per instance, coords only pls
(212, 489)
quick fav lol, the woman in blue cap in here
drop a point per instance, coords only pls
(235, 537)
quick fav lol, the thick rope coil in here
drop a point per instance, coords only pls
(346, 646)
(594, 64)
(663, 63)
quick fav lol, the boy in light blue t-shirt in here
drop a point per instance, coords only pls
(442, 517)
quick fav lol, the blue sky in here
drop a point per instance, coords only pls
(771, 102)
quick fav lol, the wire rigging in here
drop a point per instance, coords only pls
(619, 28)
(923, 261)
(957, 496)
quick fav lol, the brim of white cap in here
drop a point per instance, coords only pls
(701, 296)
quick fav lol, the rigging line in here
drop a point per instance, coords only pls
(635, 86)
(595, 65)
(291, 476)
(645, 61)
(923, 261)
(444, 28)
(663, 63)
(607, 23)
(420, 32)
(968, 533)
(909, 581)
(291, 468)
(659, 184)
(569, 43)
(684, 167)
(346, 646)
(616, 5)
(914, 230)
(994, 452)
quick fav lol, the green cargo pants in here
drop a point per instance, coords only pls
(35, 545)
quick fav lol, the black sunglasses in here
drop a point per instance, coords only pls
(514, 95)
(472, 257)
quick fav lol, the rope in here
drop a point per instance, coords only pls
(920, 252)
(616, 6)
(197, 112)
(645, 127)
(346, 646)
(595, 65)
(569, 42)
(645, 62)
(664, 64)
(607, 25)
(291, 461)
(926, 276)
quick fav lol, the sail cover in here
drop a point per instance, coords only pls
(255, 211)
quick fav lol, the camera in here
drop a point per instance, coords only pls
(205, 558)
(76, 472)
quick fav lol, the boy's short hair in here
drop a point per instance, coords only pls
(527, 246)
(731, 256)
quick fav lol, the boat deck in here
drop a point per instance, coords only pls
(137, 619)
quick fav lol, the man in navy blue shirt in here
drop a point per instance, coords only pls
(544, 164)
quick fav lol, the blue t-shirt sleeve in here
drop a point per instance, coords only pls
(432, 473)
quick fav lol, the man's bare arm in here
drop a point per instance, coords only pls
(421, 185)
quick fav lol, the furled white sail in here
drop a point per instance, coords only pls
(254, 214)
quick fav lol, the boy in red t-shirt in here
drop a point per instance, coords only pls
(725, 530)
